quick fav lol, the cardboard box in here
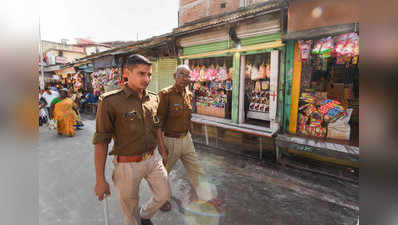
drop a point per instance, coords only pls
(336, 93)
(322, 95)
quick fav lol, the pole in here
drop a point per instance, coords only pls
(106, 211)
(41, 59)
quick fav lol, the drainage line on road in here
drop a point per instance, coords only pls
(223, 150)
(320, 172)
(284, 163)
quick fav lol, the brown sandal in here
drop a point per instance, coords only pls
(166, 207)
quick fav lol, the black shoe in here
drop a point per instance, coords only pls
(146, 222)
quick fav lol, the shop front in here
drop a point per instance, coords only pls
(321, 119)
(235, 80)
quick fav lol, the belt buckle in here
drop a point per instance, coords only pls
(146, 155)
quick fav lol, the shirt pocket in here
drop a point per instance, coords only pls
(176, 110)
(131, 122)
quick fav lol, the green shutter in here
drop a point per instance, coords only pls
(235, 88)
(210, 47)
(166, 68)
(260, 39)
(155, 78)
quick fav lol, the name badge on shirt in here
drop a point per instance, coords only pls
(130, 115)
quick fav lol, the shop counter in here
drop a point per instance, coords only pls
(333, 151)
(261, 132)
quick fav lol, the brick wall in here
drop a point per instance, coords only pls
(216, 9)
(191, 10)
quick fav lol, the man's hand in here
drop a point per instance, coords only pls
(164, 153)
(102, 189)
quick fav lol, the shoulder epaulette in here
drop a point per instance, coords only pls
(151, 92)
(109, 93)
(166, 89)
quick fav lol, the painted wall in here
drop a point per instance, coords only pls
(304, 14)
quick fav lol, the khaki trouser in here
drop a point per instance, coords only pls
(183, 149)
(127, 178)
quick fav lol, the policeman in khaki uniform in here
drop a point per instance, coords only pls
(128, 116)
(174, 112)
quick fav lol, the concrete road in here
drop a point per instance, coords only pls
(253, 192)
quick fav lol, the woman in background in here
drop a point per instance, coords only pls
(64, 113)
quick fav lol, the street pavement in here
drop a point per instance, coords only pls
(253, 192)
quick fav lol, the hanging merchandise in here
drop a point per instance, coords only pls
(264, 85)
(212, 86)
(214, 74)
(327, 47)
(222, 74)
(257, 87)
(228, 85)
(202, 76)
(318, 46)
(231, 73)
(261, 72)
(248, 70)
(254, 73)
(209, 73)
(195, 74)
(305, 47)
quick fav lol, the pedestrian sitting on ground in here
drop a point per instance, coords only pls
(128, 116)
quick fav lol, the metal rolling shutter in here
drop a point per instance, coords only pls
(155, 78)
(166, 68)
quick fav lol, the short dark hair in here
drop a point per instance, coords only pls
(137, 59)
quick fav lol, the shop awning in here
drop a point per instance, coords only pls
(66, 71)
(88, 68)
(322, 32)
(48, 74)
(51, 68)
(103, 62)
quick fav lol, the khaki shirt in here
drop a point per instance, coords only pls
(129, 120)
(175, 109)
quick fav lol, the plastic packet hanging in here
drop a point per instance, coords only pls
(305, 47)
(254, 73)
(248, 69)
(318, 46)
(261, 72)
(231, 73)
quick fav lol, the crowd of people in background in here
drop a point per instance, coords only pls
(60, 107)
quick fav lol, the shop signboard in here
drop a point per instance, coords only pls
(60, 59)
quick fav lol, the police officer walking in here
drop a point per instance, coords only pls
(128, 116)
(174, 112)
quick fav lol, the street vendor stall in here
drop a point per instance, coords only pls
(321, 119)
(236, 71)
(212, 85)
